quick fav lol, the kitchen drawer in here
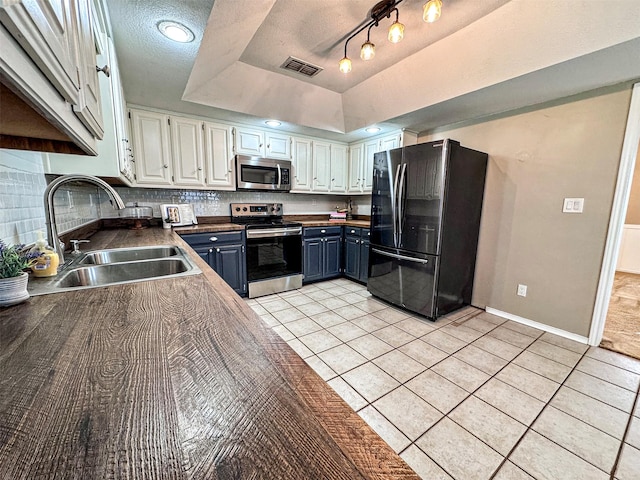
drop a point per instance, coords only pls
(311, 232)
(352, 231)
(214, 238)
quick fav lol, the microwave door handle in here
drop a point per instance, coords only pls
(394, 206)
(401, 201)
(279, 174)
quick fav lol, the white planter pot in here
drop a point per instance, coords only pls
(13, 290)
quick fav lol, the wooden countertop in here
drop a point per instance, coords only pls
(222, 227)
(173, 378)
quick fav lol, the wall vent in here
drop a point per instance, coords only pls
(301, 67)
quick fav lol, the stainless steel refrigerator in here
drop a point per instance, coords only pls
(425, 219)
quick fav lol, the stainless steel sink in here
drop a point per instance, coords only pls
(100, 275)
(117, 255)
(117, 266)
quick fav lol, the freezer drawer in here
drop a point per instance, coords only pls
(403, 280)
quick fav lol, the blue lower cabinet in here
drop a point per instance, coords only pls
(356, 253)
(225, 253)
(229, 263)
(322, 248)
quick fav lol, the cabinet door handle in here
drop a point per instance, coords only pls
(211, 250)
(106, 70)
(218, 250)
(213, 239)
(323, 231)
(352, 231)
(165, 166)
(357, 241)
(200, 169)
(268, 145)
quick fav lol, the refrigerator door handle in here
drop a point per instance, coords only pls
(394, 206)
(400, 198)
(401, 257)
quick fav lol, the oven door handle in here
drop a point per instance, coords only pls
(279, 175)
(274, 232)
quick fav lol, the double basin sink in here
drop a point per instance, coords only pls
(117, 266)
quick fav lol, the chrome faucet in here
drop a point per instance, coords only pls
(49, 209)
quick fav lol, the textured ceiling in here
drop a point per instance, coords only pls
(480, 58)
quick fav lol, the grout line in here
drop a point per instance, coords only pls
(461, 321)
(625, 435)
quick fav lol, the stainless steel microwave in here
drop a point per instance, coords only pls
(257, 173)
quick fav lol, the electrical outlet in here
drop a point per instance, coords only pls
(522, 290)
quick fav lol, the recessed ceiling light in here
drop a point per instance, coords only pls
(273, 123)
(176, 31)
(372, 129)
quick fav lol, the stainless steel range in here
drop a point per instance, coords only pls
(274, 248)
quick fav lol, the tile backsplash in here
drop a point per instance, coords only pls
(216, 203)
(23, 182)
(22, 185)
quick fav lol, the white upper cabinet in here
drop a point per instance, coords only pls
(356, 154)
(187, 152)
(321, 167)
(302, 165)
(370, 149)
(390, 142)
(88, 107)
(220, 166)
(278, 146)
(361, 158)
(114, 150)
(338, 168)
(49, 61)
(46, 30)
(151, 148)
(258, 143)
(248, 141)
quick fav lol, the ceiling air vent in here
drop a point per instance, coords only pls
(301, 67)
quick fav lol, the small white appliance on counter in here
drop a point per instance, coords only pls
(177, 215)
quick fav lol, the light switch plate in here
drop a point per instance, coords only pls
(573, 205)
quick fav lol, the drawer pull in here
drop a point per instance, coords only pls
(213, 239)
(353, 231)
(323, 231)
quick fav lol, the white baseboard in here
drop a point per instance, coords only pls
(636, 272)
(538, 325)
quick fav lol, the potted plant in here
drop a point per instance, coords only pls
(14, 260)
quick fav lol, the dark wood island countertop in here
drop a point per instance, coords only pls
(172, 378)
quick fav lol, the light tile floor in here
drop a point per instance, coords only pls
(471, 396)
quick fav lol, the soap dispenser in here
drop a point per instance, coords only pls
(47, 263)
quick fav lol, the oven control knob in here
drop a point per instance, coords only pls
(244, 209)
(237, 209)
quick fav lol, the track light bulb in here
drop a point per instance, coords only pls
(432, 10)
(345, 65)
(368, 50)
(396, 32)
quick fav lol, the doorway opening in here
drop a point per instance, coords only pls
(616, 318)
(622, 325)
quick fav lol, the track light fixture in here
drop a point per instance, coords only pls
(384, 9)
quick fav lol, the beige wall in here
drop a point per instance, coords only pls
(633, 210)
(536, 158)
